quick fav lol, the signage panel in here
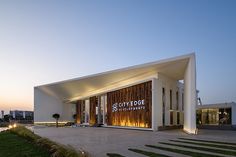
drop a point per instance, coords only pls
(131, 106)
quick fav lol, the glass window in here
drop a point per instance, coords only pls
(171, 118)
(224, 116)
(177, 100)
(214, 116)
(178, 118)
(198, 117)
(163, 106)
(104, 109)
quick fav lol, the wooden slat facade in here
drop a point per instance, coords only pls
(92, 110)
(79, 111)
(126, 117)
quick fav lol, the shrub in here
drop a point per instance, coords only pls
(55, 149)
(25, 133)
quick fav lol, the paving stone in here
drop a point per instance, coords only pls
(99, 141)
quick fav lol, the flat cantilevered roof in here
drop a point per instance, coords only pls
(73, 89)
(216, 105)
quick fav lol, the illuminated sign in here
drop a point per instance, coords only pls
(128, 106)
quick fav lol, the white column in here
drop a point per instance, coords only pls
(86, 111)
(99, 110)
(190, 97)
(104, 108)
(154, 104)
(159, 110)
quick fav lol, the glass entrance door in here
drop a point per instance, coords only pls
(85, 109)
(103, 102)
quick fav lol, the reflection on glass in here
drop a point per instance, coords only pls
(214, 116)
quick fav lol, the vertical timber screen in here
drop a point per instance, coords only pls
(131, 106)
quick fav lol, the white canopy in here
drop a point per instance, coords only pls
(73, 89)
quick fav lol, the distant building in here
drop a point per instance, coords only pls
(22, 115)
(2, 114)
(221, 115)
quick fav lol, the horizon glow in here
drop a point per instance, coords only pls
(48, 41)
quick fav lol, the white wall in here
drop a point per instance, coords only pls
(190, 96)
(46, 105)
(155, 105)
(174, 85)
(68, 111)
(159, 102)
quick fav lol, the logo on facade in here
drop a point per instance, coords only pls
(128, 106)
(114, 107)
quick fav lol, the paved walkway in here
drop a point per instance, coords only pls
(99, 141)
(3, 128)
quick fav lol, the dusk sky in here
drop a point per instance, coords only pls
(47, 41)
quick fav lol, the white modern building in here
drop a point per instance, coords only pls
(150, 96)
(217, 116)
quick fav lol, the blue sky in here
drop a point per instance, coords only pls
(47, 41)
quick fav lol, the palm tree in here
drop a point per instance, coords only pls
(56, 116)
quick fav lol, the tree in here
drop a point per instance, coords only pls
(7, 118)
(74, 117)
(56, 116)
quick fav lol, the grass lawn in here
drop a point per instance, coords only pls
(223, 146)
(148, 153)
(114, 155)
(189, 147)
(12, 145)
(185, 152)
(225, 152)
(209, 141)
